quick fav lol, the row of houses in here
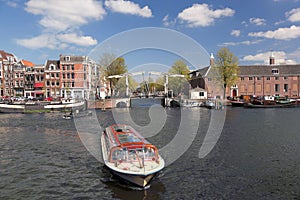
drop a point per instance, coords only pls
(68, 77)
(78, 77)
(256, 80)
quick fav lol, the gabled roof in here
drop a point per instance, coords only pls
(72, 59)
(200, 72)
(52, 62)
(4, 56)
(27, 63)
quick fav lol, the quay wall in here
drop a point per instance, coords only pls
(108, 103)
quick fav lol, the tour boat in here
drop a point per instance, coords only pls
(129, 156)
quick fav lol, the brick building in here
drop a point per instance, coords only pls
(28, 78)
(76, 76)
(52, 79)
(256, 80)
(7, 66)
(68, 77)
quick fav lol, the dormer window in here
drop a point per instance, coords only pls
(275, 71)
(67, 58)
(52, 67)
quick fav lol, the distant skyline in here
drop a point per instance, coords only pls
(38, 30)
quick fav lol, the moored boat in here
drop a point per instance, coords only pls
(284, 105)
(237, 103)
(129, 156)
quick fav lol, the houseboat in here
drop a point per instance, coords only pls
(129, 156)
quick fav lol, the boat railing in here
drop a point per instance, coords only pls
(134, 153)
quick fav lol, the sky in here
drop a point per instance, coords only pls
(37, 30)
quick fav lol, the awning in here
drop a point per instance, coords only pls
(38, 85)
(39, 92)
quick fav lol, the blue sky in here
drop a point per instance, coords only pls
(38, 30)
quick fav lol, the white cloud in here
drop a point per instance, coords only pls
(246, 42)
(60, 15)
(42, 41)
(201, 15)
(128, 7)
(75, 39)
(293, 15)
(168, 22)
(235, 33)
(59, 41)
(279, 34)
(257, 21)
(65, 18)
(280, 57)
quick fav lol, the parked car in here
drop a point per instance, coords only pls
(49, 99)
(30, 98)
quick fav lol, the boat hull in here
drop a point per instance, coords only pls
(134, 180)
(290, 105)
(135, 173)
(11, 108)
(237, 104)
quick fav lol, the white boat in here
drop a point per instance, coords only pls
(61, 106)
(190, 104)
(129, 156)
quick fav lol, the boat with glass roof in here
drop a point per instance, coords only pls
(130, 156)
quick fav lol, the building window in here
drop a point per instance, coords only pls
(52, 67)
(276, 87)
(275, 71)
(201, 94)
(285, 78)
(250, 78)
(258, 78)
(268, 78)
(67, 58)
(276, 78)
(285, 87)
(72, 66)
(242, 78)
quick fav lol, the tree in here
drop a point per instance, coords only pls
(227, 68)
(121, 85)
(178, 83)
(110, 65)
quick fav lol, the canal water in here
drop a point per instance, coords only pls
(257, 156)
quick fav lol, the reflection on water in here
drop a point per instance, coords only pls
(257, 157)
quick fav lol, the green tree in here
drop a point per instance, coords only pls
(227, 68)
(110, 65)
(159, 83)
(121, 85)
(179, 84)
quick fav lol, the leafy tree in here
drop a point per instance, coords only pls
(121, 85)
(227, 68)
(110, 65)
(159, 84)
(178, 84)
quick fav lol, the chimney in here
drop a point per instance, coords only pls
(212, 59)
(272, 59)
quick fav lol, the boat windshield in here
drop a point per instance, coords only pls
(124, 138)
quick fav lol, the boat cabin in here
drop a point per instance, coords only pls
(124, 144)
